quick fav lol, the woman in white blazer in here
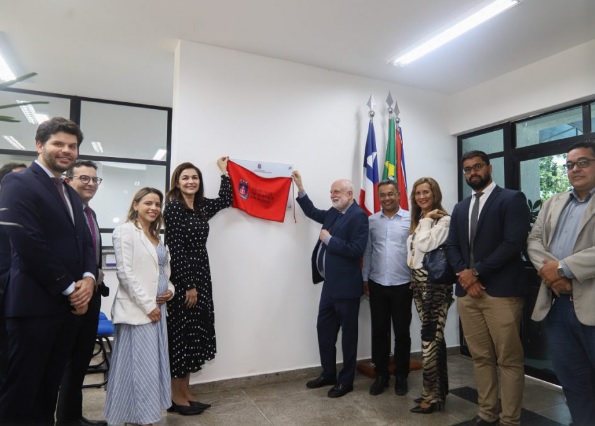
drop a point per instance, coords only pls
(139, 385)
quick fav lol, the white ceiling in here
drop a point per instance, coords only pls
(124, 49)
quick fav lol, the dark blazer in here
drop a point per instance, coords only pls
(343, 255)
(49, 251)
(501, 235)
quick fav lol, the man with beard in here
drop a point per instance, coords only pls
(51, 276)
(487, 234)
(336, 260)
(562, 249)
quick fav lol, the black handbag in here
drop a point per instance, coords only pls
(439, 270)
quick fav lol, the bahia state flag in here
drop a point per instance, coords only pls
(262, 197)
(368, 195)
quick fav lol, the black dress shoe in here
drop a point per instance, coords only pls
(418, 400)
(338, 391)
(199, 404)
(83, 422)
(379, 385)
(184, 410)
(428, 409)
(320, 382)
(401, 387)
(478, 421)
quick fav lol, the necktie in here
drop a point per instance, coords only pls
(473, 229)
(91, 224)
(60, 188)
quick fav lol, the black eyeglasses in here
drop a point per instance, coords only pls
(476, 167)
(86, 179)
(582, 163)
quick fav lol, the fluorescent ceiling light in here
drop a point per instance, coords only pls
(97, 147)
(11, 140)
(5, 73)
(461, 27)
(41, 117)
(28, 111)
(160, 154)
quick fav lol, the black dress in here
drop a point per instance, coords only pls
(191, 331)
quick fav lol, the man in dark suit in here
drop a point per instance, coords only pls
(336, 260)
(82, 177)
(487, 235)
(4, 272)
(52, 275)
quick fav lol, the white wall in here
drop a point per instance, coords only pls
(256, 108)
(564, 78)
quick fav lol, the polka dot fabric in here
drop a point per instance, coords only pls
(191, 331)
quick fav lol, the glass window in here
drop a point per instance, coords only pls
(543, 177)
(592, 117)
(123, 131)
(489, 142)
(120, 182)
(550, 127)
(22, 134)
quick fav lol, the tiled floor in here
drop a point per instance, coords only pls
(291, 403)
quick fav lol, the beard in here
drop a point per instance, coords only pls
(479, 184)
(54, 165)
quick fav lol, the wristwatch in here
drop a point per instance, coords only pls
(474, 272)
(561, 271)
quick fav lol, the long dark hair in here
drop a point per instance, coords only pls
(155, 227)
(174, 192)
(436, 202)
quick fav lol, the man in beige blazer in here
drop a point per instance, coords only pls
(562, 248)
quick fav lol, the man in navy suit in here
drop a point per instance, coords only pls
(336, 260)
(52, 275)
(82, 177)
(487, 235)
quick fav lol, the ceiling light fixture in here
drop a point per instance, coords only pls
(159, 154)
(97, 147)
(28, 111)
(11, 140)
(461, 27)
(5, 73)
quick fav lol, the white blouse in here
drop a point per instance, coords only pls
(428, 235)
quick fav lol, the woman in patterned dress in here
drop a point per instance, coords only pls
(429, 230)
(139, 379)
(191, 320)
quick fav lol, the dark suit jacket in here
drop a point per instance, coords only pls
(343, 255)
(49, 251)
(103, 289)
(501, 235)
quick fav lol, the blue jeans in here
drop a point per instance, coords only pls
(572, 347)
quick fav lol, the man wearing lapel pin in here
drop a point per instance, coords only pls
(561, 246)
(82, 177)
(52, 275)
(336, 261)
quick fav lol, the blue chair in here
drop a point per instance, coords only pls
(105, 330)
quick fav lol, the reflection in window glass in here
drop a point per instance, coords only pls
(123, 131)
(120, 182)
(497, 175)
(489, 143)
(543, 177)
(24, 131)
(593, 117)
(551, 127)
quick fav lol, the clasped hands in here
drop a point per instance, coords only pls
(549, 276)
(80, 297)
(471, 283)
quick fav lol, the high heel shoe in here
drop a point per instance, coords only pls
(199, 404)
(433, 406)
(184, 410)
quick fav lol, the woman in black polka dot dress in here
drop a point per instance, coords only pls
(191, 320)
